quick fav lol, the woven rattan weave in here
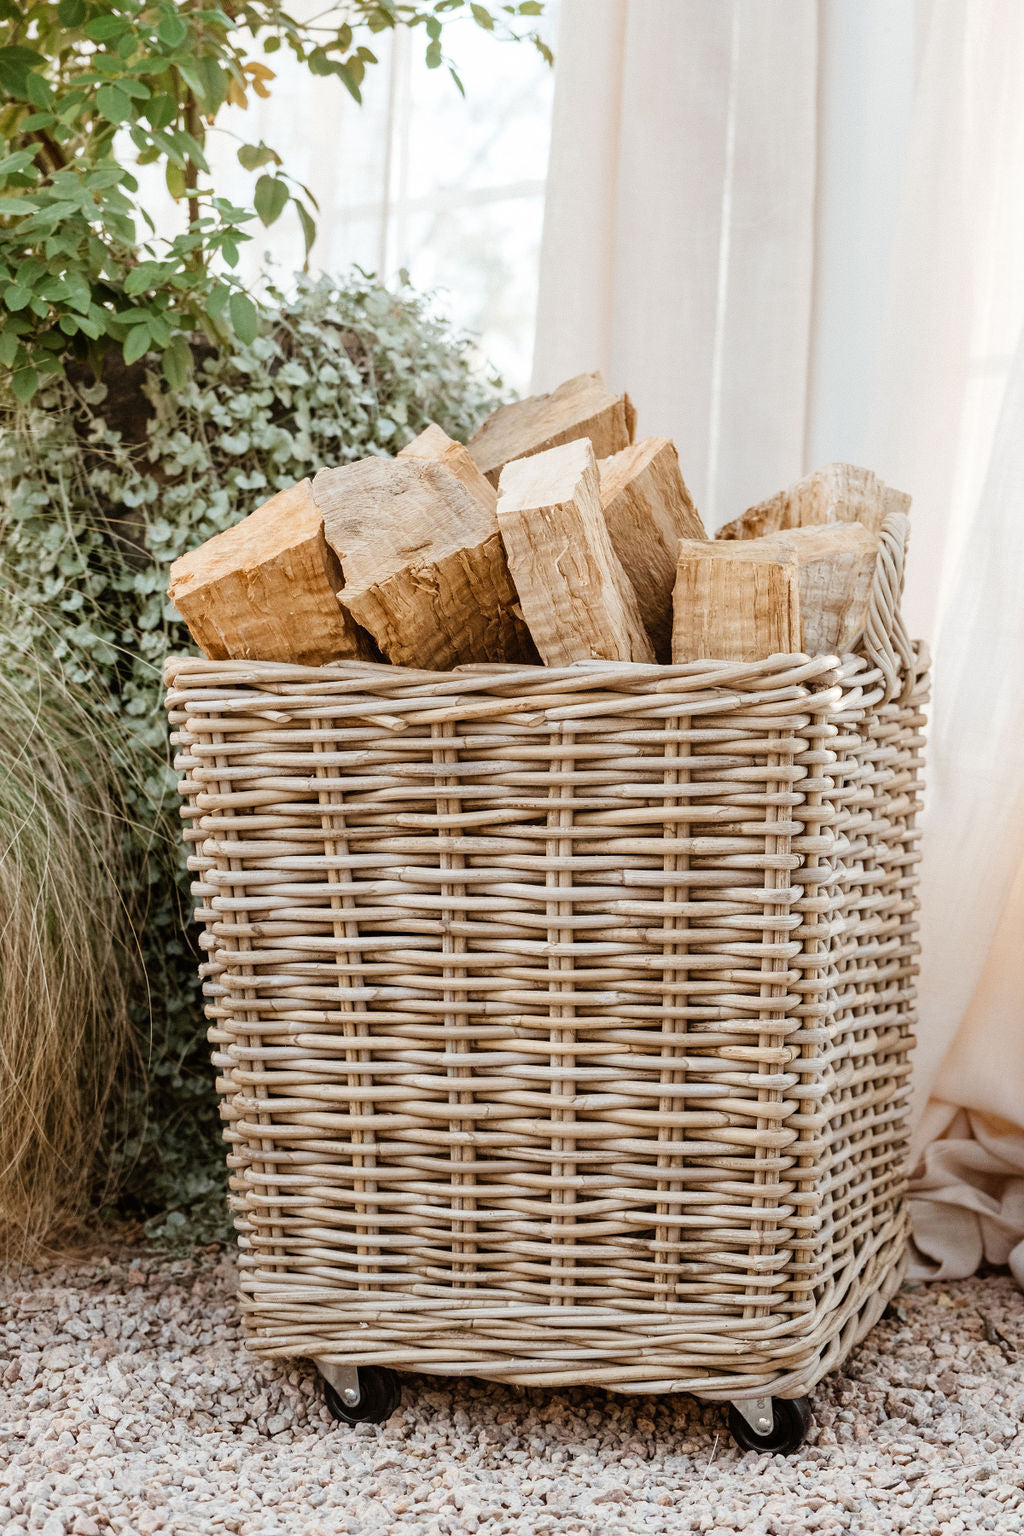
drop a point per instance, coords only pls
(562, 1015)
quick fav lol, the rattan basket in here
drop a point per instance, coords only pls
(562, 1016)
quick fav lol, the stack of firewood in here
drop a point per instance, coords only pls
(550, 536)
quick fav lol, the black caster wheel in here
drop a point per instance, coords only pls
(379, 1395)
(792, 1416)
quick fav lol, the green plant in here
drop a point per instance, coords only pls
(67, 952)
(95, 501)
(82, 268)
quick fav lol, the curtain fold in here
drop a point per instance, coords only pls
(693, 250)
(679, 228)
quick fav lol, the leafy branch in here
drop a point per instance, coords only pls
(82, 268)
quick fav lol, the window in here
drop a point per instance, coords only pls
(451, 190)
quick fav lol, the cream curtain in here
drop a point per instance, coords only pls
(796, 233)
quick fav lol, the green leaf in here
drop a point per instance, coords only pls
(18, 161)
(229, 250)
(142, 277)
(134, 88)
(174, 175)
(38, 91)
(308, 225)
(176, 362)
(214, 84)
(16, 297)
(71, 13)
(102, 29)
(252, 156)
(24, 384)
(349, 81)
(9, 344)
(79, 295)
(483, 17)
(172, 32)
(244, 318)
(216, 300)
(15, 64)
(15, 205)
(531, 8)
(433, 55)
(136, 343)
(189, 149)
(161, 110)
(113, 103)
(271, 196)
(455, 76)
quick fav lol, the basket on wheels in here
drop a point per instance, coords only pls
(562, 1015)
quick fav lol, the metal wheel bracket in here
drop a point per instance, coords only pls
(343, 1378)
(758, 1412)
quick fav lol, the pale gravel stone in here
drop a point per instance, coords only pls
(129, 1407)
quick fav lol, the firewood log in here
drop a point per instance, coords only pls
(836, 565)
(648, 510)
(423, 563)
(434, 443)
(266, 589)
(839, 493)
(581, 407)
(734, 602)
(575, 595)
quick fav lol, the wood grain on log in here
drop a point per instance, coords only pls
(434, 443)
(734, 602)
(836, 565)
(423, 562)
(266, 589)
(648, 510)
(575, 595)
(838, 493)
(581, 407)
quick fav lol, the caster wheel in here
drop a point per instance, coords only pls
(792, 1417)
(379, 1395)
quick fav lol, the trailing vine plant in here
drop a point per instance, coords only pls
(94, 504)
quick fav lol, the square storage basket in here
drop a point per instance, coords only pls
(562, 1016)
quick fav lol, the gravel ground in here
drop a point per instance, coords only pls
(128, 1404)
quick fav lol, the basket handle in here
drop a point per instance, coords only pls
(886, 643)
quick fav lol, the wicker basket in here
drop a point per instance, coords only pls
(563, 1015)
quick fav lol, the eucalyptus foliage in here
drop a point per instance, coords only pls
(91, 86)
(95, 502)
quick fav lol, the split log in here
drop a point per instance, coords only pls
(734, 602)
(423, 563)
(434, 443)
(575, 595)
(581, 407)
(839, 493)
(836, 565)
(266, 589)
(648, 510)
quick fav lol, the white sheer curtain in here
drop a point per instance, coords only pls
(796, 233)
